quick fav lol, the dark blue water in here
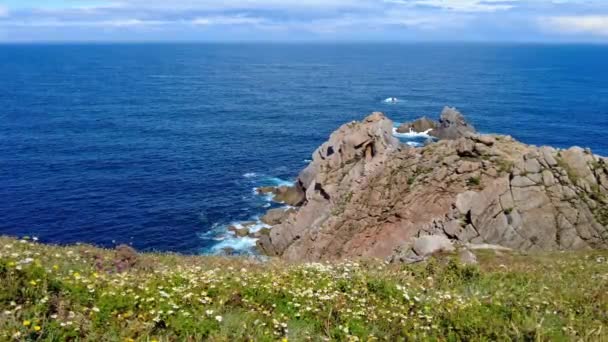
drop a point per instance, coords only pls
(150, 144)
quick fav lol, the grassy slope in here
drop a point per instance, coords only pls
(75, 293)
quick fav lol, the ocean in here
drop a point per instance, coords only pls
(161, 145)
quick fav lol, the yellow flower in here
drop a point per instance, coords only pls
(33, 282)
(26, 323)
(55, 267)
(129, 339)
(284, 339)
(37, 328)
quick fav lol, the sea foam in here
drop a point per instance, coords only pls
(391, 100)
(412, 135)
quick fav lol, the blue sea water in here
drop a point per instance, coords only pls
(161, 145)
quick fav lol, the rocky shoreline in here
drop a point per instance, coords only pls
(366, 195)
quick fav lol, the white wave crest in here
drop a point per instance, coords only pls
(239, 244)
(279, 182)
(250, 175)
(391, 100)
(228, 240)
(412, 135)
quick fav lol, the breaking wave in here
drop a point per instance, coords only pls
(391, 100)
(411, 134)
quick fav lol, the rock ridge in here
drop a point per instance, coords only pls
(367, 195)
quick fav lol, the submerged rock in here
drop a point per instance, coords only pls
(366, 195)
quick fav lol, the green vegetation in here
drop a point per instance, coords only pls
(473, 181)
(601, 214)
(504, 166)
(341, 205)
(82, 293)
(572, 175)
(418, 171)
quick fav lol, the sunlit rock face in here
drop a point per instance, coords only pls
(366, 195)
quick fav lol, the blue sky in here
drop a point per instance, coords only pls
(304, 20)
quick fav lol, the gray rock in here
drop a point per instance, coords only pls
(487, 246)
(452, 125)
(487, 140)
(290, 195)
(464, 201)
(465, 147)
(421, 125)
(532, 166)
(548, 179)
(548, 155)
(522, 182)
(467, 257)
(427, 245)
(276, 216)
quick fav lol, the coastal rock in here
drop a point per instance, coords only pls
(366, 195)
(421, 125)
(452, 125)
(276, 216)
(290, 195)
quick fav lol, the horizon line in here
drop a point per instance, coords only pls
(297, 42)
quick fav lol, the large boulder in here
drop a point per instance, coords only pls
(421, 125)
(452, 125)
(290, 195)
(276, 216)
(430, 244)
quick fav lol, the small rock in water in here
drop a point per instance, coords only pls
(228, 251)
(242, 232)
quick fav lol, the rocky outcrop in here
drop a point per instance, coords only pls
(290, 195)
(276, 216)
(452, 125)
(367, 195)
(421, 125)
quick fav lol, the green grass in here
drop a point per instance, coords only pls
(82, 293)
(473, 181)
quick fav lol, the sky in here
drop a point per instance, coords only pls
(304, 20)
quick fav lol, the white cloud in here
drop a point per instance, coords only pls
(251, 4)
(461, 5)
(590, 24)
(3, 11)
(71, 23)
(227, 20)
